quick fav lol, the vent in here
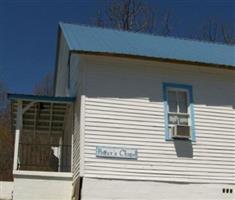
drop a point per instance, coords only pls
(227, 190)
(181, 131)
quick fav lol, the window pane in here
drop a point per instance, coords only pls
(172, 101)
(183, 120)
(172, 95)
(173, 119)
(182, 101)
(170, 130)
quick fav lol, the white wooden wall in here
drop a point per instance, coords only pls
(106, 189)
(62, 89)
(76, 140)
(76, 90)
(50, 186)
(6, 190)
(62, 69)
(124, 107)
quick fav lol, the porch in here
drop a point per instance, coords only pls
(43, 129)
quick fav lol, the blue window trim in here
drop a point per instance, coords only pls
(189, 88)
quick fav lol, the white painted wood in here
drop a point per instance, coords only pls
(75, 74)
(76, 89)
(82, 135)
(146, 190)
(6, 190)
(17, 133)
(31, 185)
(119, 103)
(72, 152)
(16, 148)
(76, 139)
(124, 107)
(62, 175)
(62, 70)
(28, 106)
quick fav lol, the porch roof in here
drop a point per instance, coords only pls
(40, 98)
(39, 114)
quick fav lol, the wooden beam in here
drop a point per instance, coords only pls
(28, 107)
(53, 132)
(19, 123)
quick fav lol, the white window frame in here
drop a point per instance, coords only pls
(188, 114)
(188, 104)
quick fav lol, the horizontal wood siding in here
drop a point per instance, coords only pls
(124, 107)
(76, 140)
(62, 68)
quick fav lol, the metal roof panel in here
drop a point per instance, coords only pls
(102, 40)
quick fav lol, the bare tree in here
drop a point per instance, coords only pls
(140, 16)
(166, 23)
(6, 138)
(130, 15)
(3, 96)
(228, 33)
(133, 15)
(45, 86)
(99, 19)
(215, 31)
(210, 31)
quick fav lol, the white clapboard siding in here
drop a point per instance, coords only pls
(62, 70)
(124, 108)
(76, 140)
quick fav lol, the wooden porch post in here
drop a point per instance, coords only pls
(17, 133)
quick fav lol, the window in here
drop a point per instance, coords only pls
(178, 105)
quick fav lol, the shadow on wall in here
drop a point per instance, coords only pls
(121, 80)
(183, 148)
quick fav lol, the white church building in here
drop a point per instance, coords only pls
(133, 117)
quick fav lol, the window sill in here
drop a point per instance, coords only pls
(182, 139)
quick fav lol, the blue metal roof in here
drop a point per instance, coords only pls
(101, 40)
(41, 98)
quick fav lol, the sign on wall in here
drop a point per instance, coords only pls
(116, 152)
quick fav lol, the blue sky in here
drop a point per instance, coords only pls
(28, 31)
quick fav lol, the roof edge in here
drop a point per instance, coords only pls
(29, 97)
(62, 24)
(169, 60)
(56, 57)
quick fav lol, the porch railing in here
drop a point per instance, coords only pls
(44, 157)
